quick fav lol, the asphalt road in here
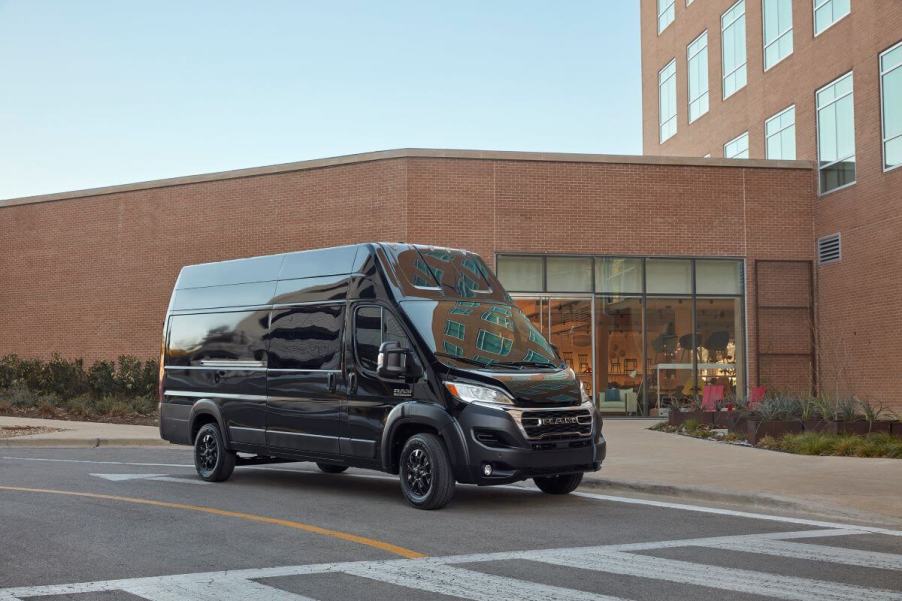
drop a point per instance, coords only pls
(131, 523)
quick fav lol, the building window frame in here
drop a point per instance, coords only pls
(744, 135)
(701, 98)
(768, 136)
(882, 73)
(817, 4)
(817, 114)
(668, 12)
(724, 26)
(670, 82)
(780, 34)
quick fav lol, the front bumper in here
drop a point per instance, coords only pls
(494, 437)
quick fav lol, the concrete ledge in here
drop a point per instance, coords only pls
(414, 153)
(81, 443)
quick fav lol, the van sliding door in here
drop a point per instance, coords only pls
(304, 393)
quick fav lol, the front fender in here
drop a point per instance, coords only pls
(435, 417)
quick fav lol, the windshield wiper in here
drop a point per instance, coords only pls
(527, 364)
(471, 361)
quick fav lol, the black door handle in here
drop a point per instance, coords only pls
(332, 381)
(352, 382)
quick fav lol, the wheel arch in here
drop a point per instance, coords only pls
(205, 411)
(415, 417)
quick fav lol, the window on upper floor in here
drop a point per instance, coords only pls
(737, 148)
(697, 55)
(732, 33)
(828, 12)
(667, 101)
(666, 13)
(777, 31)
(836, 134)
(780, 135)
(891, 105)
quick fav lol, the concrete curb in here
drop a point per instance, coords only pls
(696, 493)
(81, 443)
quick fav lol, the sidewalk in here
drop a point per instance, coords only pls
(80, 434)
(641, 461)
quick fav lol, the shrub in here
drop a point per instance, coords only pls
(58, 385)
(818, 443)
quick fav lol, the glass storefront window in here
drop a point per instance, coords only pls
(569, 274)
(618, 275)
(668, 276)
(715, 276)
(618, 335)
(669, 353)
(636, 353)
(721, 344)
(521, 274)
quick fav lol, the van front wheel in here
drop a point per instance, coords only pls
(426, 478)
(558, 485)
(213, 462)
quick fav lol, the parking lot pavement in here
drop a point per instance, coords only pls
(126, 523)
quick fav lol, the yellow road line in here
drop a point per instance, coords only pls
(261, 519)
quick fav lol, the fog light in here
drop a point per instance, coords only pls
(487, 469)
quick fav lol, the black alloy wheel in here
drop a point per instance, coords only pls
(213, 462)
(426, 477)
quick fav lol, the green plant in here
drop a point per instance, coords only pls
(872, 413)
(819, 443)
(847, 410)
(691, 425)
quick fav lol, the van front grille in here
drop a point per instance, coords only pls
(556, 425)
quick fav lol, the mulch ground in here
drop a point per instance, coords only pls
(13, 431)
(131, 419)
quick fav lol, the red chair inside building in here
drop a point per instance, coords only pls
(711, 395)
(756, 395)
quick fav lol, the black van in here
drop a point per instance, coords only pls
(402, 358)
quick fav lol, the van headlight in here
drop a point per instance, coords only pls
(471, 393)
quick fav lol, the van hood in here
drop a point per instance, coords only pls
(539, 389)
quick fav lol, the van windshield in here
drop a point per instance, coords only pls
(470, 333)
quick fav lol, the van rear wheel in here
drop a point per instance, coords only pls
(558, 485)
(331, 468)
(426, 478)
(213, 462)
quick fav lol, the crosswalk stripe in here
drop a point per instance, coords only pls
(852, 557)
(737, 580)
(468, 584)
(182, 588)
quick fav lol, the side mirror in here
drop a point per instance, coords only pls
(393, 360)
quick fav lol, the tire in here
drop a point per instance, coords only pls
(213, 462)
(331, 468)
(426, 478)
(558, 485)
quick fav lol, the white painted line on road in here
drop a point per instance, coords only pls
(224, 589)
(851, 557)
(155, 477)
(467, 584)
(736, 513)
(766, 584)
(529, 488)
(439, 575)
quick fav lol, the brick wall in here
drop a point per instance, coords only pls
(91, 275)
(859, 300)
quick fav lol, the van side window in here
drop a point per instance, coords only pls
(229, 336)
(373, 326)
(306, 337)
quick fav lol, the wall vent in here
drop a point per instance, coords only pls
(829, 249)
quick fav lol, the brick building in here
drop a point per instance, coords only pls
(651, 274)
(819, 80)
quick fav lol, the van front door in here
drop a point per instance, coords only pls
(305, 388)
(370, 398)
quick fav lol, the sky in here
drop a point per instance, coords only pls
(96, 93)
